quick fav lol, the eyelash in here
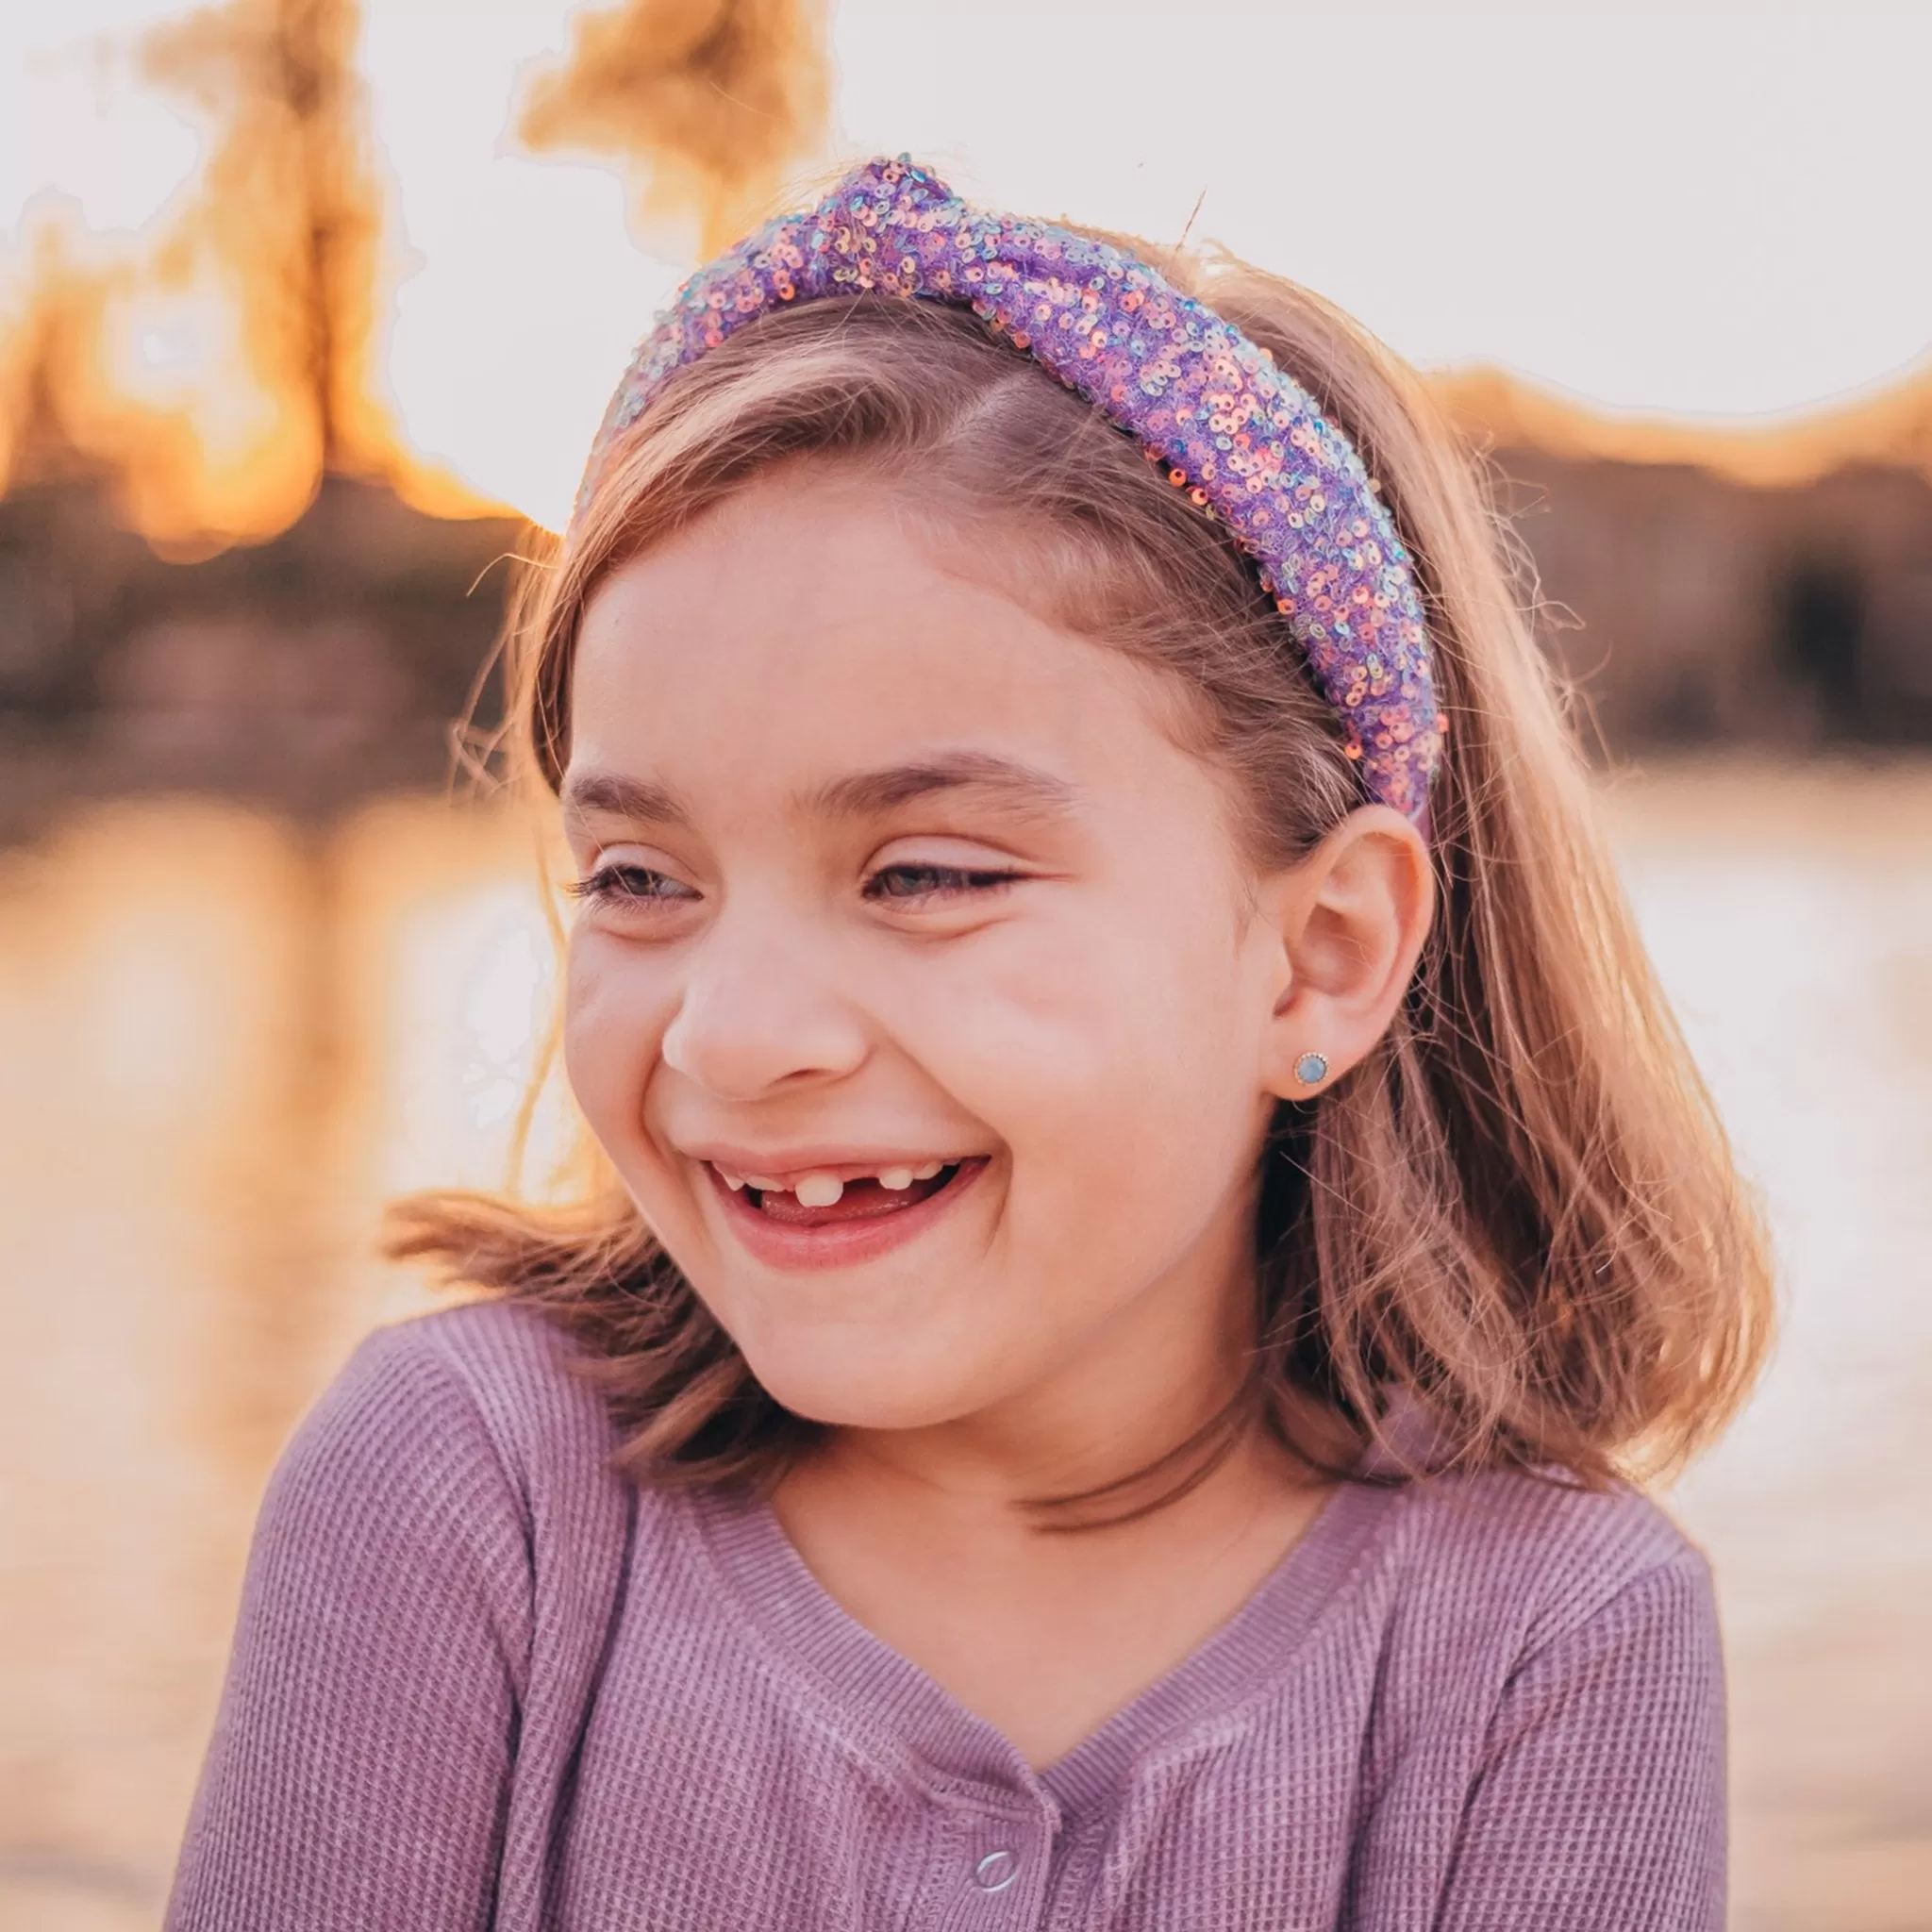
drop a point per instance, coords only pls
(959, 879)
(606, 887)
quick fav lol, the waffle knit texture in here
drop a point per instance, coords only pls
(482, 1681)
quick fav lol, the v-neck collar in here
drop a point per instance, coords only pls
(892, 1706)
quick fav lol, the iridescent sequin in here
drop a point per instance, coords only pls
(1240, 436)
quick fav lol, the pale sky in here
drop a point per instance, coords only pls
(1710, 208)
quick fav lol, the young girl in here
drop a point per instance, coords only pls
(1150, 1205)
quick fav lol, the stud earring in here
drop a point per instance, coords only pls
(1312, 1069)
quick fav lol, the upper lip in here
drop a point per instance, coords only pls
(788, 1163)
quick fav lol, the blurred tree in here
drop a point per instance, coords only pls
(288, 206)
(707, 104)
(1822, 641)
(58, 324)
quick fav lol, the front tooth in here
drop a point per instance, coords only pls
(764, 1184)
(897, 1179)
(926, 1172)
(820, 1191)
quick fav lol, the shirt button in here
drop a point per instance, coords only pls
(996, 1870)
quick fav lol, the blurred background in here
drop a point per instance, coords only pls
(307, 305)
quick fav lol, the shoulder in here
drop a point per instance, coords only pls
(468, 1430)
(495, 1375)
(1527, 1560)
(1544, 1707)
(421, 1627)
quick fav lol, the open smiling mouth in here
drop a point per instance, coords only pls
(829, 1200)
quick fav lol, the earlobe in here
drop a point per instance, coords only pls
(1353, 916)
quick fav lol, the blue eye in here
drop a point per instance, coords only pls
(629, 885)
(905, 884)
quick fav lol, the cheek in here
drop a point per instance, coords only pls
(1104, 1054)
(614, 1019)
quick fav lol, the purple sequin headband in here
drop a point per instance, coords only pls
(1245, 439)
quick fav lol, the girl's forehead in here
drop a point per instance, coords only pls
(799, 637)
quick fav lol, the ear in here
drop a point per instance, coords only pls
(1352, 918)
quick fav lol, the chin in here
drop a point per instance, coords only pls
(831, 1382)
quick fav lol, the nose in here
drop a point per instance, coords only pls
(759, 1014)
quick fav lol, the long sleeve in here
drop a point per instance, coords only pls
(1600, 1804)
(358, 1776)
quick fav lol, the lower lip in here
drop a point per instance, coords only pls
(839, 1244)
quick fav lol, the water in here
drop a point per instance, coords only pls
(222, 1043)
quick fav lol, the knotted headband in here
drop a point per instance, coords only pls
(1242, 438)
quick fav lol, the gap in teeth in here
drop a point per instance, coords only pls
(826, 1190)
(896, 1180)
(819, 1189)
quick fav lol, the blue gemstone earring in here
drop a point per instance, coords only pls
(1312, 1069)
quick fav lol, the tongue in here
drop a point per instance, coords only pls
(861, 1200)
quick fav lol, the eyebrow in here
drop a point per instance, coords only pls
(863, 794)
(867, 795)
(613, 796)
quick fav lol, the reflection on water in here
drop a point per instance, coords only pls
(222, 1042)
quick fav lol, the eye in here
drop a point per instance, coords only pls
(627, 886)
(906, 885)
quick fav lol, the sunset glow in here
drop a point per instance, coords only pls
(1704, 211)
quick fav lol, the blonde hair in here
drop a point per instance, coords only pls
(1519, 1215)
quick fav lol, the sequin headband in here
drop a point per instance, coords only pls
(1245, 441)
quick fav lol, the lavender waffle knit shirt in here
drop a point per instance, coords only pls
(480, 1682)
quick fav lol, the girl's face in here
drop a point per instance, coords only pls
(905, 900)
